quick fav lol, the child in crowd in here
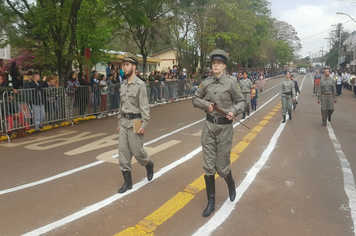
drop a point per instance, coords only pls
(254, 97)
(14, 114)
(103, 93)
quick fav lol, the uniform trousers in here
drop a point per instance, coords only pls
(287, 102)
(247, 97)
(327, 107)
(131, 144)
(216, 143)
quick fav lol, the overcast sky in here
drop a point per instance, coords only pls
(310, 17)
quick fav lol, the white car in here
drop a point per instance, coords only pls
(302, 71)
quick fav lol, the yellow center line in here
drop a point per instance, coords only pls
(150, 223)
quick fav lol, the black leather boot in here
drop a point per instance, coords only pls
(210, 192)
(243, 115)
(231, 185)
(128, 182)
(284, 119)
(149, 168)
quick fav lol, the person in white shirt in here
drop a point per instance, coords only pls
(338, 84)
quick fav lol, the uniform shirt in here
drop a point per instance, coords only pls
(225, 94)
(288, 87)
(245, 85)
(327, 87)
(133, 100)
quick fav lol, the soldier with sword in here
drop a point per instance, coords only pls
(221, 98)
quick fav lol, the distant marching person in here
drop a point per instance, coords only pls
(287, 95)
(327, 97)
(296, 88)
(246, 86)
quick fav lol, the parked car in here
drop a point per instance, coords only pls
(302, 71)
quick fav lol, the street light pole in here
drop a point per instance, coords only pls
(341, 13)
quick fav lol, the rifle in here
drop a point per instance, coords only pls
(216, 108)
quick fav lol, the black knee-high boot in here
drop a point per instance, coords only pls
(128, 182)
(231, 185)
(210, 192)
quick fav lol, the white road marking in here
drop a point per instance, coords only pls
(50, 178)
(107, 156)
(95, 207)
(166, 135)
(101, 143)
(103, 203)
(223, 213)
(349, 180)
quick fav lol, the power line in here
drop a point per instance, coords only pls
(322, 31)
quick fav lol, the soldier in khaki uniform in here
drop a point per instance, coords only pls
(246, 86)
(287, 96)
(327, 96)
(222, 90)
(133, 107)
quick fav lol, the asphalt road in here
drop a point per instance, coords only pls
(292, 179)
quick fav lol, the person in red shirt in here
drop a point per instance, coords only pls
(317, 79)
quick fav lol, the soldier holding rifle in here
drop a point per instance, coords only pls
(223, 92)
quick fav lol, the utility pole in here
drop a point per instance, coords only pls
(329, 49)
(338, 60)
(322, 57)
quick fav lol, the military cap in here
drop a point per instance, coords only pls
(219, 55)
(128, 57)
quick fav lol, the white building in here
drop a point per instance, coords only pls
(5, 53)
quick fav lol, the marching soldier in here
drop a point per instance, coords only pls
(327, 97)
(133, 110)
(246, 86)
(222, 91)
(297, 91)
(287, 96)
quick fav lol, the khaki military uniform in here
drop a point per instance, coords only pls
(133, 103)
(287, 96)
(217, 138)
(327, 94)
(246, 86)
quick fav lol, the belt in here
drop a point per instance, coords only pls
(131, 116)
(289, 93)
(216, 120)
(327, 95)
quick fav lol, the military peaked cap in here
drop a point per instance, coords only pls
(219, 55)
(130, 58)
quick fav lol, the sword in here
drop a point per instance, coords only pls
(216, 108)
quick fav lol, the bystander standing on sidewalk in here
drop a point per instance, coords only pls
(72, 85)
(38, 99)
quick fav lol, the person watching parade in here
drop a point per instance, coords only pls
(133, 110)
(222, 91)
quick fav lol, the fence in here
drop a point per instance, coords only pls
(35, 107)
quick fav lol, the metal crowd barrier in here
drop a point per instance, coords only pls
(165, 91)
(32, 108)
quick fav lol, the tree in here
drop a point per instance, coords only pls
(142, 19)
